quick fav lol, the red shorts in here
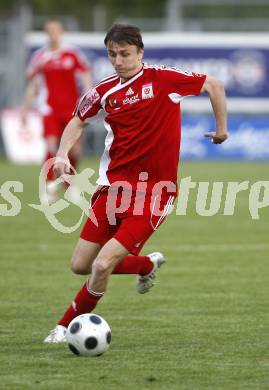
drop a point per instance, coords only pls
(54, 124)
(134, 221)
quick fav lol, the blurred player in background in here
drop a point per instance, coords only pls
(57, 74)
(142, 107)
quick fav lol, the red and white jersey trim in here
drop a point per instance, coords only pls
(167, 209)
(105, 159)
(107, 80)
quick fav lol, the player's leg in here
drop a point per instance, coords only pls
(85, 252)
(93, 289)
(106, 260)
(81, 262)
(128, 237)
(133, 265)
(91, 240)
(51, 136)
(133, 234)
(83, 256)
(108, 257)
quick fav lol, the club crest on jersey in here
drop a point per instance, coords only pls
(89, 101)
(147, 91)
(113, 102)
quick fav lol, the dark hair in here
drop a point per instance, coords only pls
(124, 33)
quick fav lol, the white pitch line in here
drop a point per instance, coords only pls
(220, 247)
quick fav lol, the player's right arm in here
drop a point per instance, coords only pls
(29, 96)
(71, 134)
(88, 106)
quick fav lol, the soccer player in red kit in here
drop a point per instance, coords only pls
(138, 168)
(53, 74)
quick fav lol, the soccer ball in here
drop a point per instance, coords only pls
(88, 335)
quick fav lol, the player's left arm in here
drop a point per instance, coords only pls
(215, 89)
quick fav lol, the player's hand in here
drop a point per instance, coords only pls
(62, 166)
(216, 138)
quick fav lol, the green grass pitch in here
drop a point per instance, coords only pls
(205, 325)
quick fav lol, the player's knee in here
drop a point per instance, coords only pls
(78, 268)
(101, 266)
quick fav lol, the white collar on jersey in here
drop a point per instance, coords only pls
(130, 78)
(120, 86)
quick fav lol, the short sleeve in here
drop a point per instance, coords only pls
(89, 105)
(184, 83)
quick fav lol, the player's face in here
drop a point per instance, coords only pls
(54, 30)
(125, 58)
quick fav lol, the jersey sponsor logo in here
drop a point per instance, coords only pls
(89, 101)
(131, 100)
(147, 91)
(129, 92)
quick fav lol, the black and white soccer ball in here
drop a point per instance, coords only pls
(88, 335)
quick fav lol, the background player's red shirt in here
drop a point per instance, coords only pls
(57, 71)
(143, 123)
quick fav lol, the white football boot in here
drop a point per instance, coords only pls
(56, 335)
(145, 282)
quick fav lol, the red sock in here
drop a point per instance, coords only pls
(141, 265)
(50, 175)
(85, 302)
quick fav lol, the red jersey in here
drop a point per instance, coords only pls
(143, 123)
(56, 71)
